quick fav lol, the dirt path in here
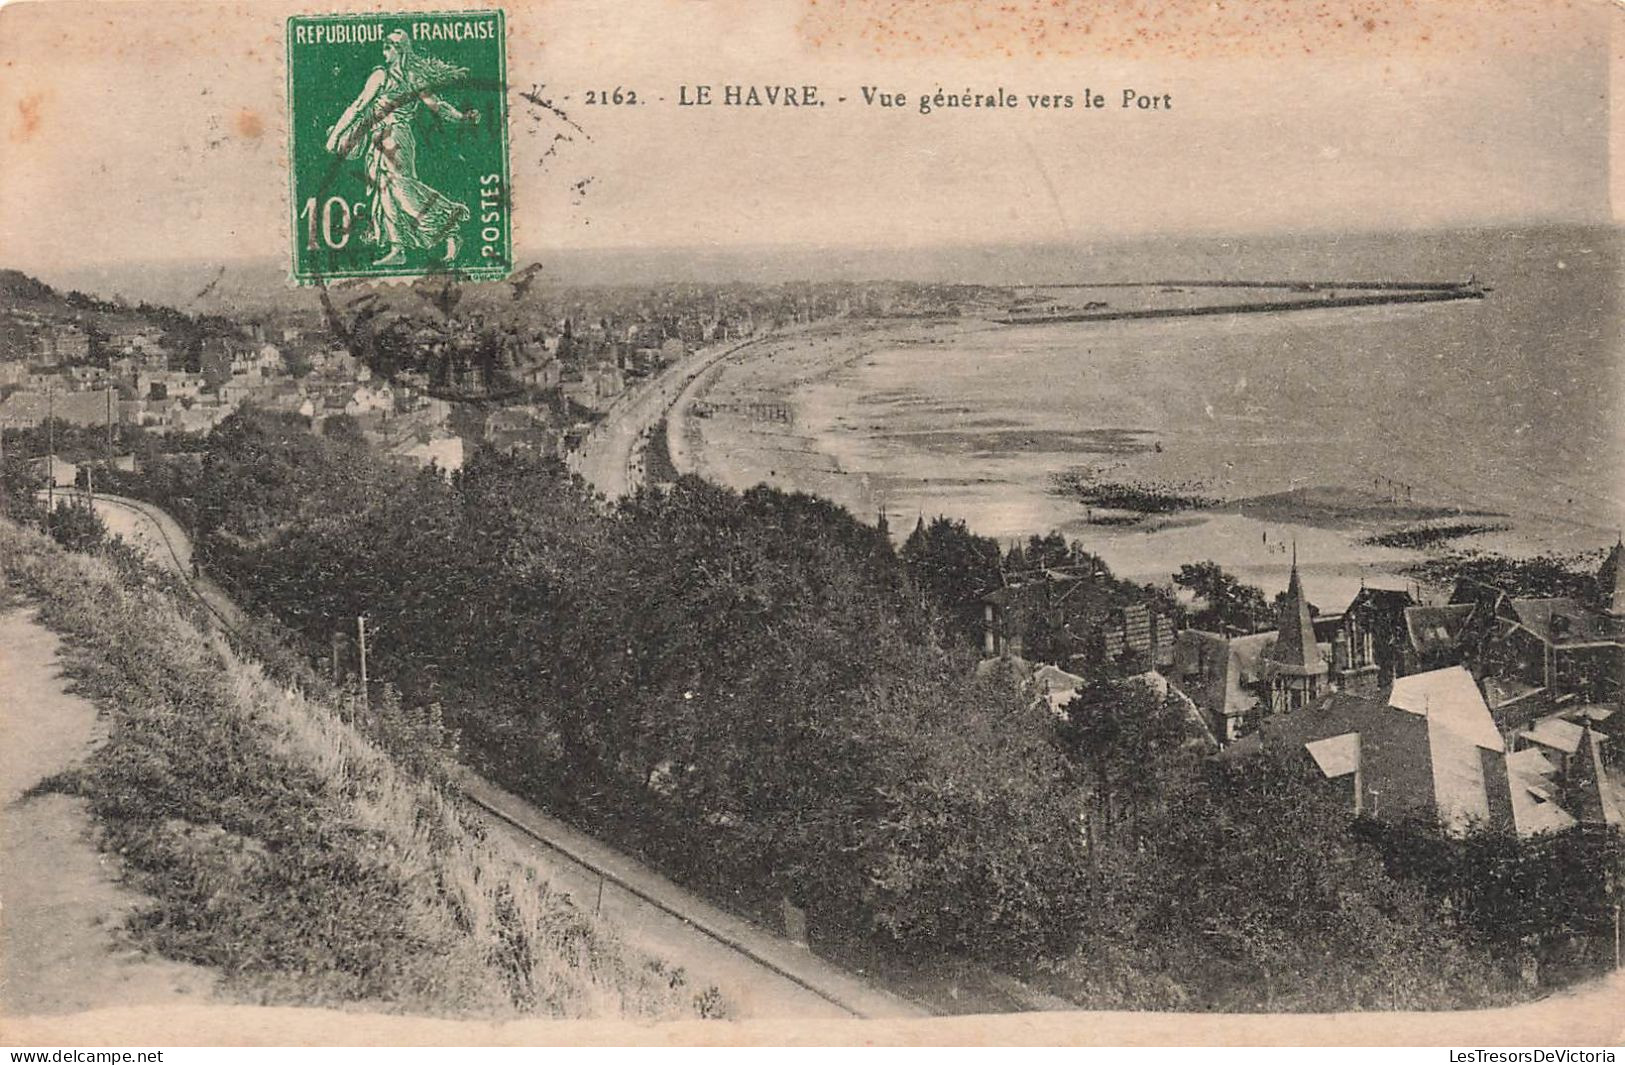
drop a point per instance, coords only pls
(762, 974)
(160, 537)
(60, 901)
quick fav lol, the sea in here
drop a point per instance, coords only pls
(1514, 404)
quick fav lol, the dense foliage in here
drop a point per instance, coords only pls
(756, 693)
(956, 568)
(1057, 596)
(1224, 603)
(271, 842)
(744, 686)
(1244, 889)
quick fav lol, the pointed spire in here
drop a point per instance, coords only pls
(1294, 651)
(1611, 580)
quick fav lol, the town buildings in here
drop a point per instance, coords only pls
(1530, 656)
(1070, 617)
(1488, 711)
(1432, 751)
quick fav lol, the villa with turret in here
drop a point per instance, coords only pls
(1489, 710)
(1530, 657)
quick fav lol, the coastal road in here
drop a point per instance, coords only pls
(761, 973)
(611, 458)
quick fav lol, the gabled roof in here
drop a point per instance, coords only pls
(1392, 754)
(1450, 700)
(1235, 665)
(1336, 756)
(1530, 762)
(1468, 788)
(1504, 691)
(1534, 809)
(1490, 599)
(1383, 600)
(1593, 800)
(1564, 622)
(1295, 652)
(1434, 630)
(1556, 734)
(1056, 685)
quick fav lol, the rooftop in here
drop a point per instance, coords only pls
(1450, 700)
(1437, 629)
(1556, 734)
(1564, 622)
(1295, 652)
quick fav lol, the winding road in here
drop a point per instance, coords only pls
(160, 537)
(611, 457)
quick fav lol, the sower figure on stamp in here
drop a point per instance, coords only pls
(406, 213)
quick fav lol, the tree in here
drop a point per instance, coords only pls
(20, 481)
(1126, 741)
(76, 526)
(1248, 891)
(298, 362)
(956, 569)
(1050, 550)
(1226, 603)
(1520, 899)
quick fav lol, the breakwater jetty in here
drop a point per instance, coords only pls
(1273, 297)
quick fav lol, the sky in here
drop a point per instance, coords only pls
(137, 132)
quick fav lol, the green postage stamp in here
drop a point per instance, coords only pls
(398, 146)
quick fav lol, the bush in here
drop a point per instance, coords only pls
(76, 526)
(711, 679)
(280, 847)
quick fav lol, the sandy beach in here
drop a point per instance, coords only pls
(822, 412)
(727, 427)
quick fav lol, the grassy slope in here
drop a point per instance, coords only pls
(281, 847)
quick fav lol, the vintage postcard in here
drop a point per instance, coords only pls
(812, 521)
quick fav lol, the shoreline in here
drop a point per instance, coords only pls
(860, 456)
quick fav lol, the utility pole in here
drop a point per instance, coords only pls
(361, 638)
(110, 410)
(50, 461)
(1618, 962)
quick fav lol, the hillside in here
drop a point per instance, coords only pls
(279, 846)
(18, 287)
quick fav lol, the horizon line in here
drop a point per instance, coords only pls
(526, 255)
